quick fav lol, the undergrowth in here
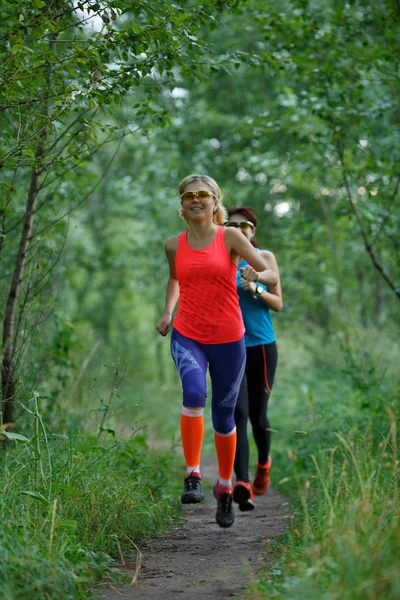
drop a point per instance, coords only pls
(336, 456)
(71, 503)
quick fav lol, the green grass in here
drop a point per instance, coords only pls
(333, 411)
(335, 454)
(107, 474)
(345, 535)
(71, 503)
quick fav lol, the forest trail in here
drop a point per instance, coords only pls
(200, 559)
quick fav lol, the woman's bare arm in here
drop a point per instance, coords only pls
(273, 296)
(258, 268)
(172, 292)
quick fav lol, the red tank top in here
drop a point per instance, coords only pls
(208, 310)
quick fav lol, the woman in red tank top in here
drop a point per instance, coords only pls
(208, 329)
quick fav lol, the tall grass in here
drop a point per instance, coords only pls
(345, 540)
(336, 456)
(70, 503)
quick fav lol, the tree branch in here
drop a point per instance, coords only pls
(84, 198)
(364, 234)
(389, 208)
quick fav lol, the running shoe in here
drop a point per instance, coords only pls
(225, 514)
(243, 495)
(261, 480)
(192, 490)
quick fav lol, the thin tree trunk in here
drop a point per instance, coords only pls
(362, 306)
(8, 362)
(377, 295)
(333, 246)
(367, 244)
(7, 367)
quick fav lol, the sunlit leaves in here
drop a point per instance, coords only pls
(66, 67)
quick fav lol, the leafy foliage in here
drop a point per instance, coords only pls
(104, 106)
(70, 502)
(60, 85)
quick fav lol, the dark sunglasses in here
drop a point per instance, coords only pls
(240, 225)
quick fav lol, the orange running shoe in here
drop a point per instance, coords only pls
(243, 495)
(261, 480)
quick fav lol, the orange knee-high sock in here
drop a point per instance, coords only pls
(225, 446)
(192, 433)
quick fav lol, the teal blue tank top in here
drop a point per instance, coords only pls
(256, 316)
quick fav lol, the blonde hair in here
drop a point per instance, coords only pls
(220, 215)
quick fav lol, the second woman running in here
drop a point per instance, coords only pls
(256, 300)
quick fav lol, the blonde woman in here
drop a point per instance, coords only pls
(208, 330)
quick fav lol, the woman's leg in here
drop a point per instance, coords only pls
(242, 444)
(242, 491)
(191, 362)
(261, 367)
(226, 363)
(262, 363)
(192, 434)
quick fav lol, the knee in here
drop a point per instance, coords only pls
(194, 398)
(223, 421)
(259, 421)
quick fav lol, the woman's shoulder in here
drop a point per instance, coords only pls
(231, 234)
(271, 259)
(267, 254)
(230, 231)
(171, 245)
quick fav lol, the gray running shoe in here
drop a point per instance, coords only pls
(192, 490)
(225, 514)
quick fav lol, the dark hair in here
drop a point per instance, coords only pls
(249, 214)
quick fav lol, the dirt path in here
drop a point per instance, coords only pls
(202, 560)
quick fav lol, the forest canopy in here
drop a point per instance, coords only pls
(104, 106)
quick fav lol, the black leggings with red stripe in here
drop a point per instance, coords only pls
(252, 404)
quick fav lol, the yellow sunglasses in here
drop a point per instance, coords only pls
(201, 195)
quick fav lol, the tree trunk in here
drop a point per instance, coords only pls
(7, 367)
(333, 248)
(367, 244)
(377, 306)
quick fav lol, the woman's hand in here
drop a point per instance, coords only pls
(249, 273)
(163, 325)
(247, 285)
(239, 246)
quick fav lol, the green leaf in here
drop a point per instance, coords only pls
(36, 496)
(107, 430)
(57, 436)
(14, 436)
(68, 524)
(67, 490)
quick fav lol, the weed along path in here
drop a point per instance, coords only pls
(200, 560)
